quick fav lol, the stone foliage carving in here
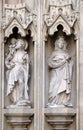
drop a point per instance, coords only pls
(17, 75)
(61, 66)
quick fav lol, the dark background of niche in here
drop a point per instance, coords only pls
(30, 51)
(71, 48)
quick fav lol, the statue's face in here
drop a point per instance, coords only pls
(19, 45)
(13, 41)
(60, 44)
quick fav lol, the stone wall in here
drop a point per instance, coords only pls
(41, 65)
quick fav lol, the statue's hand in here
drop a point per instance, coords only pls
(12, 65)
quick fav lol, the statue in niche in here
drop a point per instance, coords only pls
(17, 63)
(61, 66)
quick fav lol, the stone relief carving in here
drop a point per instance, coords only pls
(17, 74)
(61, 66)
(20, 12)
(19, 16)
(63, 9)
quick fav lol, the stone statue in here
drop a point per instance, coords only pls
(61, 66)
(17, 63)
(12, 45)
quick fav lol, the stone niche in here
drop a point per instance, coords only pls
(61, 117)
(18, 23)
(30, 51)
(71, 49)
(21, 116)
(61, 23)
(19, 39)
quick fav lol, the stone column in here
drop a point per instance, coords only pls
(77, 81)
(81, 65)
(38, 71)
(1, 39)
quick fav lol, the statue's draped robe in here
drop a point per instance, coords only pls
(17, 76)
(61, 76)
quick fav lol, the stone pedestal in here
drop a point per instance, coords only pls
(60, 119)
(19, 118)
(19, 127)
(19, 123)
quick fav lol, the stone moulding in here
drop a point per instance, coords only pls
(60, 3)
(60, 20)
(14, 23)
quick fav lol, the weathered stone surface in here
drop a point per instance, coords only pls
(38, 23)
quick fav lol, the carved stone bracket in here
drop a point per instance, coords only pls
(60, 13)
(19, 118)
(60, 119)
(18, 16)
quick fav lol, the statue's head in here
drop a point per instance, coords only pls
(60, 42)
(13, 41)
(21, 44)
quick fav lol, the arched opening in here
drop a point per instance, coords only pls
(30, 51)
(70, 49)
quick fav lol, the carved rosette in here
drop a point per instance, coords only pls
(61, 13)
(19, 16)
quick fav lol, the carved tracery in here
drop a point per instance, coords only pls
(19, 16)
(60, 13)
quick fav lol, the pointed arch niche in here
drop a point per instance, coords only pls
(19, 26)
(30, 50)
(56, 24)
(71, 49)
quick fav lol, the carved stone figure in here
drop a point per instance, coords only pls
(61, 66)
(12, 45)
(17, 63)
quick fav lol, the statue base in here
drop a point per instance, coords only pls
(50, 105)
(20, 103)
